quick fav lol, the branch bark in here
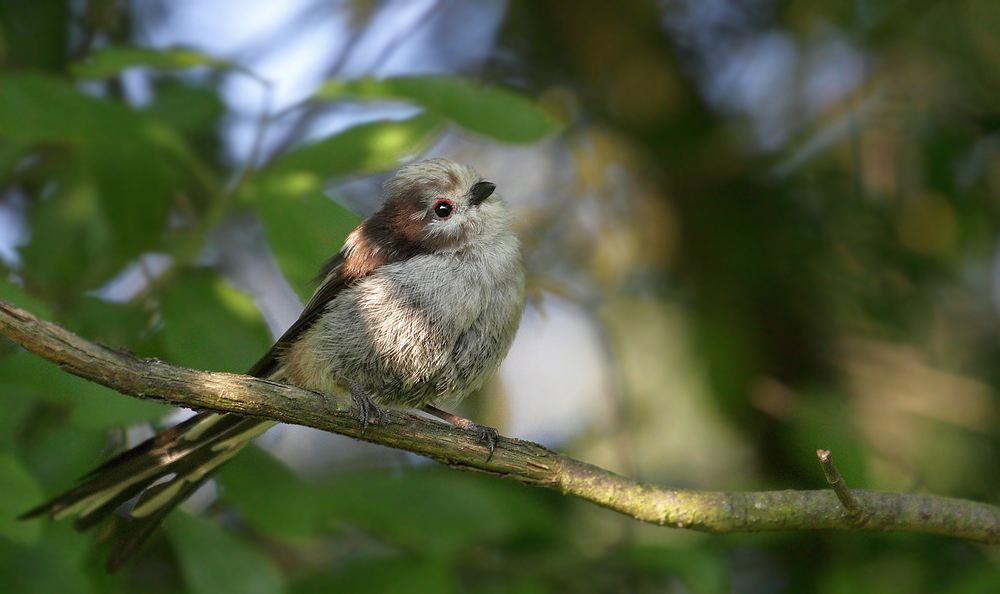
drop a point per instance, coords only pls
(527, 462)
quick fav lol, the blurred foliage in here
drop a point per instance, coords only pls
(813, 185)
(495, 112)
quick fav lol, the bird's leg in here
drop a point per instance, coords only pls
(486, 435)
(367, 410)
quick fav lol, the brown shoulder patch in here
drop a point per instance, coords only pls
(379, 240)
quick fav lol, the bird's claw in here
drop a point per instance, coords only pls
(485, 435)
(368, 411)
(488, 436)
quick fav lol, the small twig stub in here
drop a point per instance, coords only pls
(847, 499)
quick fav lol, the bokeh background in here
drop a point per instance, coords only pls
(753, 229)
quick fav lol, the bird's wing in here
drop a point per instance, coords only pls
(334, 281)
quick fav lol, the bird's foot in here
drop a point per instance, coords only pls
(486, 435)
(367, 410)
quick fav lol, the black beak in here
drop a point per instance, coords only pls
(481, 191)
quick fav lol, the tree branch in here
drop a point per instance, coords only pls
(716, 512)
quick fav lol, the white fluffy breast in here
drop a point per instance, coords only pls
(415, 331)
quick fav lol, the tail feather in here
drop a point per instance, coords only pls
(96, 508)
(136, 468)
(162, 471)
(132, 533)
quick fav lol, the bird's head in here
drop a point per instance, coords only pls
(442, 205)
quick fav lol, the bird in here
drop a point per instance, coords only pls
(419, 307)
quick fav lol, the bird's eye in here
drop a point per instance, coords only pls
(443, 208)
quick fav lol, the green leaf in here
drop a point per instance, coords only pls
(110, 61)
(304, 231)
(71, 218)
(110, 323)
(111, 175)
(20, 492)
(11, 154)
(33, 35)
(109, 409)
(57, 453)
(392, 575)
(209, 324)
(702, 570)
(191, 110)
(823, 421)
(16, 295)
(53, 564)
(436, 513)
(15, 414)
(497, 112)
(42, 109)
(270, 495)
(366, 148)
(979, 578)
(93, 405)
(215, 561)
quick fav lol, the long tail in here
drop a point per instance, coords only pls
(162, 471)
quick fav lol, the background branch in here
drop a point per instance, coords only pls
(527, 462)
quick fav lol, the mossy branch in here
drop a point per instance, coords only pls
(708, 511)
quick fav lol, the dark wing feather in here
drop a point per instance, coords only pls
(333, 281)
